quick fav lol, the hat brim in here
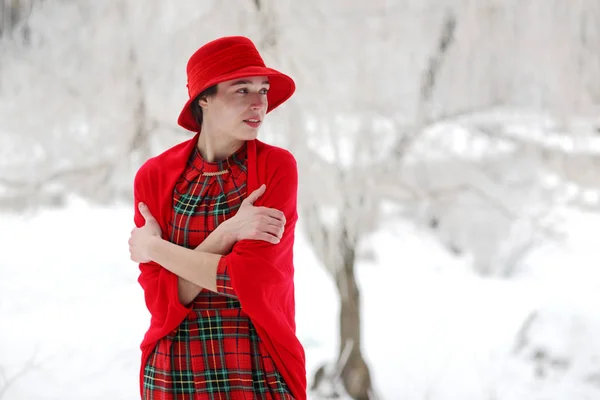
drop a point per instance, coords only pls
(281, 88)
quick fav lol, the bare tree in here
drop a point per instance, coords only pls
(344, 208)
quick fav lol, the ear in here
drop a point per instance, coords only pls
(203, 101)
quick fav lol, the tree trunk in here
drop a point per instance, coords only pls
(355, 372)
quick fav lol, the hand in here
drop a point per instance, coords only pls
(141, 238)
(257, 223)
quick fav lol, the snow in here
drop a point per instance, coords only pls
(70, 304)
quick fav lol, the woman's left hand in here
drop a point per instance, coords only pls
(141, 238)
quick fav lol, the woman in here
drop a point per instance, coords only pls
(217, 264)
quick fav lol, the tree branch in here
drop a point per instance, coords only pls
(6, 383)
(428, 82)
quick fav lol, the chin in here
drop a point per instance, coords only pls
(248, 135)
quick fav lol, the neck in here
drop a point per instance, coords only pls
(216, 146)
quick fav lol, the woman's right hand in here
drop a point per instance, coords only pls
(257, 223)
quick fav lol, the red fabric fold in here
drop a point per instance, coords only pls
(262, 274)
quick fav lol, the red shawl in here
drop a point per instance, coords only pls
(261, 273)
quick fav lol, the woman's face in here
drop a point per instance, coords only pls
(238, 108)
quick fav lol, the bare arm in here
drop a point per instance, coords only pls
(218, 242)
(197, 268)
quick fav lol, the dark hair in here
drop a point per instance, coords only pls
(195, 107)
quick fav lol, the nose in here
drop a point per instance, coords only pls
(258, 102)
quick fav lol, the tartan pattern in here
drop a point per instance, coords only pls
(223, 282)
(215, 353)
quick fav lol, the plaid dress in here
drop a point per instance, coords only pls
(215, 353)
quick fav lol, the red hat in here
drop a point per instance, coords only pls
(229, 58)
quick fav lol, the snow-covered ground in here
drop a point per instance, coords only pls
(72, 314)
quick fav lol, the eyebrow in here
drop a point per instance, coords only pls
(246, 82)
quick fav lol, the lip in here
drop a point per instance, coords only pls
(253, 124)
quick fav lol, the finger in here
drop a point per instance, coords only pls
(265, 237)
(273, 213)
(255, 195)
(145, 211)
(270, 225)
(273, 221)
(273, 229)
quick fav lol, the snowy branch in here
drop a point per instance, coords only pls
(428, 82)
(7, 382)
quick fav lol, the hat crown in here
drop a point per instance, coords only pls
(219, 57)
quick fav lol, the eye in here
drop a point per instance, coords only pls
(243, 91)
(264, 91)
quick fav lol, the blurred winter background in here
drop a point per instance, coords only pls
(449, 155)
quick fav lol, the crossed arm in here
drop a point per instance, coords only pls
(198, 268)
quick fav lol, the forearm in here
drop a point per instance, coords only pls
(196, 267)
(187, 291)
(218, 242)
